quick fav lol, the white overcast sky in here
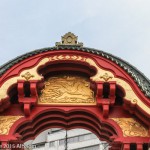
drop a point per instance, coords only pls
(120, 27)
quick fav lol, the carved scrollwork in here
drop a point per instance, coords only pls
(6, 122)
(131, 127)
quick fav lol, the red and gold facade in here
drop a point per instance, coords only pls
(69, 86)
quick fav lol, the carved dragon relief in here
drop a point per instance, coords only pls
(131, 128)
(101, 75)
(67, 89)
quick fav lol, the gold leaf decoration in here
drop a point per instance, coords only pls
(6, 122)
(27, 76)
(67, 57)
(67, 89)
(131, 128)
(106, 77)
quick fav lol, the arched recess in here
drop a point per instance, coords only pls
(118, 109)
(70, 119)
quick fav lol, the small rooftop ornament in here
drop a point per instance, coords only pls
(69, 39)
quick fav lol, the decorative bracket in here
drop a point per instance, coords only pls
(105, 103)
(31, 99)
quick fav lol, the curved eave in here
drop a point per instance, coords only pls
(140, 79)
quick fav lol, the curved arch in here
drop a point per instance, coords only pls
(142, 81)
(75, 118)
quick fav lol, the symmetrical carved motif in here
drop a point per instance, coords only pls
(67, 57)
(106, 77)
(69, 39)
(67, 89)
(131, 127)
(6, 122)
(27, 76)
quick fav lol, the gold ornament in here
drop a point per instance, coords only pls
(106, 77)
(67, 89)
(27, 76)
(69, 39)
(131, 128)
(6, 122)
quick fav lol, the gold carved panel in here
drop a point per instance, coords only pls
(131, 128)
(67, 89)
(6, 123)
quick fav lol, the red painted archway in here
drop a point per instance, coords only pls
(70, 86)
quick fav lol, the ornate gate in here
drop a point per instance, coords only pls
(70, 86)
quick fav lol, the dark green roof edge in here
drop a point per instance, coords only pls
(140, 79)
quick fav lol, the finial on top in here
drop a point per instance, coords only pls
(69, 39)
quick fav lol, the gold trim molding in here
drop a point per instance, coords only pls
(67, 89)
(6, 123)
(131, 128)
(100, 72)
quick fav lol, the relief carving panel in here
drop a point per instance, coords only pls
(131, 128)
(6, 122)
(67, 89)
